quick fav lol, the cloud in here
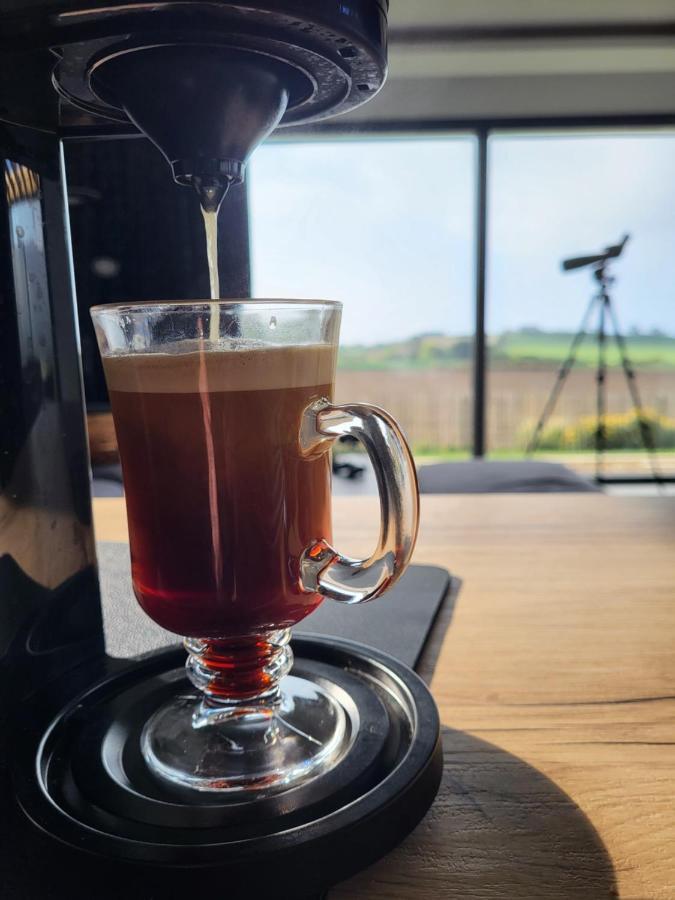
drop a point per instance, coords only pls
(387, 226)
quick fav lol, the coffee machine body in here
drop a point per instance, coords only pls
(80, 71)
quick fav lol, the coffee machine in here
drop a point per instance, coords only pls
(206, 82)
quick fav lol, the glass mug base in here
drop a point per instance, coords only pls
(250, 726)
(263, 748)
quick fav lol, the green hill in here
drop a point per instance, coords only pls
(530, 347)
(517, 349)
(425, 351)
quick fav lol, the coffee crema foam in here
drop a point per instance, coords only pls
(241, 367)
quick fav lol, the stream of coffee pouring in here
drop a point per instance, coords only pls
(211, 193)
(211, 229)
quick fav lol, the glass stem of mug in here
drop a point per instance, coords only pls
(238, 677)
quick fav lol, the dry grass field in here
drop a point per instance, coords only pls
(434, 405)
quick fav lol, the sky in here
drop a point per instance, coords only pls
(387, 227)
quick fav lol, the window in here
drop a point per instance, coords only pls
(386, 226)
(557, 196)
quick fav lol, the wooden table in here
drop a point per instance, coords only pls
(556, 688)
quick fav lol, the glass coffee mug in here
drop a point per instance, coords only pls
(224, 422)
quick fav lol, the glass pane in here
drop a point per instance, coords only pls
(386, 226)
(555, 197)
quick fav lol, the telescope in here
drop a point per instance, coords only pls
(596, 259)
(601, 303)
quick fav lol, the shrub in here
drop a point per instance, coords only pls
(622, 432)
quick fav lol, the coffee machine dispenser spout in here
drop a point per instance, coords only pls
(205, 107)
(211, 191)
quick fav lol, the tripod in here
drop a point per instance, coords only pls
(601, 302)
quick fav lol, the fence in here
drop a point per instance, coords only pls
(434, 406)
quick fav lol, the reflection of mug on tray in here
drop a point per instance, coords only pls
(224, 420)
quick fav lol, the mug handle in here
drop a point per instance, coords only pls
(322, 569)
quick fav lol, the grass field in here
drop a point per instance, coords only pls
(516, 349)
(521, 348)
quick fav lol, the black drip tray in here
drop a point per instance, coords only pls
(95, 793)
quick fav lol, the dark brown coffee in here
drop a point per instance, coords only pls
(220, 501)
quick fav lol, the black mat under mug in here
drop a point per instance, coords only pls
(397, 623)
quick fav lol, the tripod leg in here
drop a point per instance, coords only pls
(646, 435)
(563, 372)
(601, 377)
